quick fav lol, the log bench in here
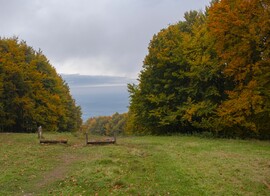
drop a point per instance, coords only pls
(46, 141)
(100, 142)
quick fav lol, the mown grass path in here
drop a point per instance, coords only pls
(179, 165)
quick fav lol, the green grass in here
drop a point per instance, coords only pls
(176, 165)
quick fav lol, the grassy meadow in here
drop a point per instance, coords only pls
(151, 165)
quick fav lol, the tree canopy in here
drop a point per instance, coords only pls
(32, 94)
(106, 125)
(209, 72)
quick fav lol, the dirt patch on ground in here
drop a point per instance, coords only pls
(57, 173)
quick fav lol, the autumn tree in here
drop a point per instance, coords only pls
(117, 124)
(176, 90)
(241, 29)
(209, 72)
(32, 93)
(206, 80)
(106, 125)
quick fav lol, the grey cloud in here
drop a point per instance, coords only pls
(89, 36)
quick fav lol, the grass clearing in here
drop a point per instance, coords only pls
(176, 165)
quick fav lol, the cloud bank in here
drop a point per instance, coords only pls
(104, 37)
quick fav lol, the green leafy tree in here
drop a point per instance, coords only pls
(153, 100)
(207, 83)
(116, 124)
(165, 85)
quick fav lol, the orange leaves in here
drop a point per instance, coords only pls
(240, 43)
(189, 113)
(237, 28)
(240, 106)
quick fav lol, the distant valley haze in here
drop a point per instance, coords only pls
(99, 95)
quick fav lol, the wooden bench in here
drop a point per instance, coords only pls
(100, 142)
(45, 141)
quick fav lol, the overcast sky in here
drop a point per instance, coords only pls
(92, 37)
